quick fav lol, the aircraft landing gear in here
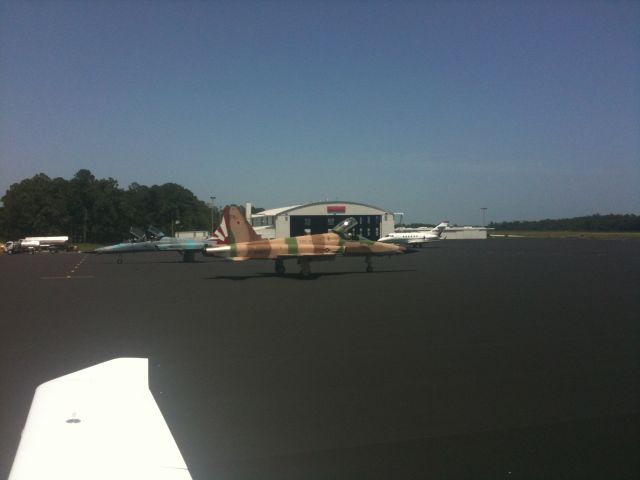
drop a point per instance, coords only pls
(280, 267)
(369, 263)
(305, 269)
(189, 256)
(119, 259)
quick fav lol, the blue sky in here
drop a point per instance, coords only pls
(435, 109)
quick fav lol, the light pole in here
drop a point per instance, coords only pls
(212, 209)
(484, 211)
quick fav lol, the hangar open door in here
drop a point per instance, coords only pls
(368, 225)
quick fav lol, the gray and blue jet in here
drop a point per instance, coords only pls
(153, 240)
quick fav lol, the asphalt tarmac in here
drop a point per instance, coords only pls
(509, 358)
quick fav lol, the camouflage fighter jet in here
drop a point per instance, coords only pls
(153, 240)
(237, 240)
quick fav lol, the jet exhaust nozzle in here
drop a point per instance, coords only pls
(223, 251)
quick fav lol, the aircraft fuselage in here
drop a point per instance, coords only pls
(329, 244)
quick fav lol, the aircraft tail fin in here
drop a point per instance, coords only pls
(234, 228)
(440, 228)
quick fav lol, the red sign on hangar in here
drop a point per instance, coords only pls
(336, 209)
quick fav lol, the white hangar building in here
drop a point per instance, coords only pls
(466, 233)
(321, 217)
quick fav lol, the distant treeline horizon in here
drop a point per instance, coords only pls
(592, 223)
(98, 210)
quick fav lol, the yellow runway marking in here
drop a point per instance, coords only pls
(76, 267)
(72, 273)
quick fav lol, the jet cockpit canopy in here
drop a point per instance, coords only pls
(345, 226)
(137, 234)
(154, 234)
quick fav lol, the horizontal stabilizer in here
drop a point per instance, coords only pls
(98, 423)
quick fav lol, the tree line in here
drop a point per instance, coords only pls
(98, 210)
(88, 209)
(592, 223)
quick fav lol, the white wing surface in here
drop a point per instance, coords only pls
(98, 423)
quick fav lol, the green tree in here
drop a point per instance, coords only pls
(171, 202)
(3, 224)
(81, 199)
(108, 212)
(136, 205)
(591, 223)
(35, 206)
(96, 210)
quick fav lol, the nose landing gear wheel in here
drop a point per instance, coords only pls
(369, 263)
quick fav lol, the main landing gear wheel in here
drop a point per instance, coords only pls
(305, 270)
(280, 267)
(369, 268)
(119, 259)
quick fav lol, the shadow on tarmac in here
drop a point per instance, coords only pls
(154, 262)
(298, 276)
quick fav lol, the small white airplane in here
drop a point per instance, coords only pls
(416, 236)
(99, 423)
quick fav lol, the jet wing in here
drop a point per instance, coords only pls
(316, 257)
(313, 252)
(180, 245)
(284, 256)
(134, 247)
(98, 423)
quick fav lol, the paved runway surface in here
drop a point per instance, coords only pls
(512, 358)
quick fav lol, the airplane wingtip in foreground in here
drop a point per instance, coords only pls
(241, 242)
(99, 423)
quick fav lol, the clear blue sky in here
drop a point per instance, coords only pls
(435, 109)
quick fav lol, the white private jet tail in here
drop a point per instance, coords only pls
(438, 229)
(98, 423)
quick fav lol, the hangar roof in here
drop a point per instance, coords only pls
(281, 210)
(274, 211)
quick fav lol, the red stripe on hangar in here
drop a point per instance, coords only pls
(336, 209)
